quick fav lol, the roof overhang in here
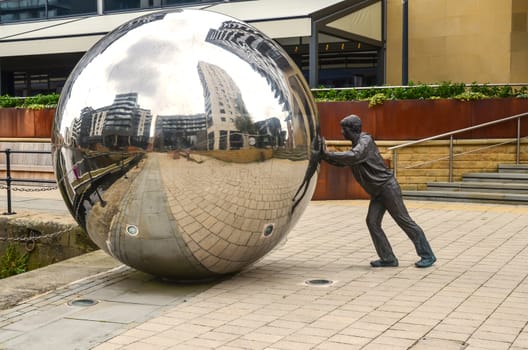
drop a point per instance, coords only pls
(275, 18)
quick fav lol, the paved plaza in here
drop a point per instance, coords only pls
(474, 297)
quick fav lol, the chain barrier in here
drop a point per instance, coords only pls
(27, 189)
(34, 236)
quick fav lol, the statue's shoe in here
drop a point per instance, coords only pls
(425, 262)
(384, 263)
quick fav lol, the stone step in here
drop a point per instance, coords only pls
(513, 168)
(479, 186)
(509, 185)
(463, 196)
(496, 177)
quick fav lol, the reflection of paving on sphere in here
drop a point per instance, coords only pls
(219, 210)
(223, 221)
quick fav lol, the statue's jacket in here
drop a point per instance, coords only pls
(366, 163)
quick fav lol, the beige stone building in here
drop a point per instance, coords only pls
(459, 40)
(335, 43)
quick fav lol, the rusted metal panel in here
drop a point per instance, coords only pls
(8, 120)
(493, 109)
(331, 113)
(26, 123)
(337, 183)
(393, 120)
(418, 119)
(43, 121)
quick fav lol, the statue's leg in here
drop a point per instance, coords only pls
(392, 198)
(379, 238)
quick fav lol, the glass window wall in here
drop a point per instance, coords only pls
(23, 10)
(123, 5)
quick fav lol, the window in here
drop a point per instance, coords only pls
(23, 10)
(223, 140)
(119, 5)
(210, 140)
(236, 140)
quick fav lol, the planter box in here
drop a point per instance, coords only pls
(26, 123)
(406, 120)
(399, 120)
(416, 119)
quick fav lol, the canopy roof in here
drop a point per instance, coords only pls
(349, 19)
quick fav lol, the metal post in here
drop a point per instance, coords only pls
(383, 55)
(451, 158)
(518, 155)
(8, 181)
(313, 57)
(405, 43)
(394, 161)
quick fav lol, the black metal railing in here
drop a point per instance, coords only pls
(10, 180)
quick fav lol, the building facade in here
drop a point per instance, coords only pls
(121, 125)
(483, 41)
(335, 43)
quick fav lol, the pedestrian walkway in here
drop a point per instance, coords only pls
(474, 297)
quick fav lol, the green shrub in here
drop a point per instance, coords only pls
(41, 101)
(8, 101)
(445, 89)
(34, 102)
(377, 99)
(13, 262)
(470, 96)
(522, 92)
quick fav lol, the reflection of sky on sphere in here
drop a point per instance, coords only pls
(159, 61)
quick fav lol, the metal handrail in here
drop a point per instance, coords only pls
(9, 180)
(395, 149)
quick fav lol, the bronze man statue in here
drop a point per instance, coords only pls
(379, 182)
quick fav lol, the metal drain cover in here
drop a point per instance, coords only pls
(82, 302)
(319, 282)
(435, 344)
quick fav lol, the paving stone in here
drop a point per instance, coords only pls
(60, 335)
(471, 293)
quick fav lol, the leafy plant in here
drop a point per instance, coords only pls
(13, 262)
(34, 102)
(470, 96)
(8, 101)
(522, 92)
(445, 89)
(377, 99)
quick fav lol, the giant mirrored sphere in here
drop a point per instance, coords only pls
(184, 143)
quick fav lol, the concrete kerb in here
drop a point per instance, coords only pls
(17, 288)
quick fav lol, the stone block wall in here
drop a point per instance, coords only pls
(27, 165)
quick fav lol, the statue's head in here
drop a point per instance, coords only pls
(351, 128)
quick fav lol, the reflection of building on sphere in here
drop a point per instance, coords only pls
(119, 125)
(186, 157)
